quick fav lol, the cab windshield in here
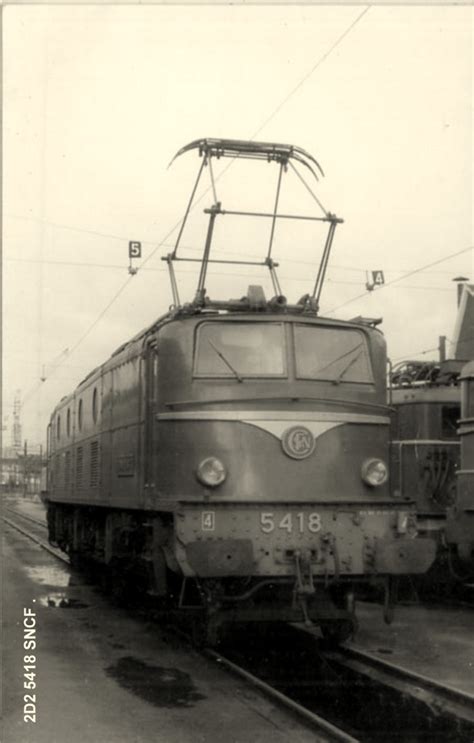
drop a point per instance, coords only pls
(334, 354)
(237, 349)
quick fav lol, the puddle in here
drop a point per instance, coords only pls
(61, 601)
(162, 687)
(90, 625)
(49, 575)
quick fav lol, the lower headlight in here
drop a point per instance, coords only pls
(374, 472)
(211, 472)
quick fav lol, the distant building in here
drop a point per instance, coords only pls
(463, 341)
(20, 472)
(11, 470)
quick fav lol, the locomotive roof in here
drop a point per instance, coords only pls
(282, 311)
(268, 315)
(185, 313)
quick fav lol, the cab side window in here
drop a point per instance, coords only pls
(450, 415)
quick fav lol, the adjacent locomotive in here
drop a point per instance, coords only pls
(233, 456)
(460, 521)
(425, 397)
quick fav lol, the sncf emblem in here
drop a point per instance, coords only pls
(298, 442)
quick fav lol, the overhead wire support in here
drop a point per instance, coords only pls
(271, 215)
(318, 287)
(213, 183)
(263, 151)
(310, 190)
(273, 275)
(225, 260)
(201, 291)
(283, 166)
(174, 285)
(252, 138)
(188, 208)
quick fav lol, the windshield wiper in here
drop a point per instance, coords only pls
(338, 358)
(226, 361)
(346, 368)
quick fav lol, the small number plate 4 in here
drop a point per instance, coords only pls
(208, 520)
(298, 522)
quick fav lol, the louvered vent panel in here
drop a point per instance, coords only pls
(67, 470)
(57, 470)
(79, 467)
(94, 460)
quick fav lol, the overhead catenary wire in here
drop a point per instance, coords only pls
(408, 356)
(313, 69)
(33, 390)
(122, 288)
(213, 272)
(129, 279)
(121, 238)
(257, 131)
(400, 278)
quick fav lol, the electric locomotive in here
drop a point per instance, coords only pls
(460, 520)
(233, 457)
(425, 397)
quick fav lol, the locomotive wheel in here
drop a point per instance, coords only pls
(199, 633)
(339, 630)
(122, 586)
(205, 633)
(76, 559)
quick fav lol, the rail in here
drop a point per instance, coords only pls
(331, 732)
(44, 545)
(441, 695)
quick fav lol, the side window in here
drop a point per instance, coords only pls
(68, 422)
(58, 428)
(95, 405)
(450, 415)
(467, 397)
(152, 374)
(79, 415)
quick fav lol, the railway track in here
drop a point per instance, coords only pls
(328, 731)
(337, 673)
(25, 516)
(443, 698)
(40, 541)
(375, 699)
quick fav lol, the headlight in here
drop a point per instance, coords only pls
(211, 472)
(374, 472)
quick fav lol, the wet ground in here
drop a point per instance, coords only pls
(435, 641)
(30, 505)
(99, 658)
(102, 674)
(364, 705)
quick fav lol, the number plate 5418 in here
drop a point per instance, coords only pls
(290, 522)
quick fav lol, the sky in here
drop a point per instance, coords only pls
(98, 99)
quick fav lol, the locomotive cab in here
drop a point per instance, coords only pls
(425, 448)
